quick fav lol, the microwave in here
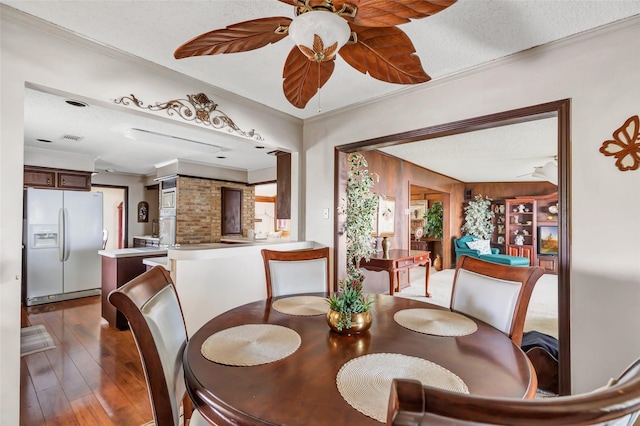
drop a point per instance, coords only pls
(168, 202)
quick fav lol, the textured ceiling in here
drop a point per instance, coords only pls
(506, 153)
(103, 138)
(467, 34)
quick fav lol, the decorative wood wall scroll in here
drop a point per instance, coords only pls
(625, 146)
(198, 108)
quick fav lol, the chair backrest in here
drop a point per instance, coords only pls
(296, 271)
(151, 305)
(496, 294)
(618, 403)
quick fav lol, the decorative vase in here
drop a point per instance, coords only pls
(437, 263)
(386, 245)
(359, 322)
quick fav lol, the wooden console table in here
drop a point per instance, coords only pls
(397, 261)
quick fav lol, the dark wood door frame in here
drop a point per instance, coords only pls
(560, 109)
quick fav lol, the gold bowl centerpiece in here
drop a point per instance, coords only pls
(349, 309)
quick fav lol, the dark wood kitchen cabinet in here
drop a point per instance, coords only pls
(44, 177)
(74, 180)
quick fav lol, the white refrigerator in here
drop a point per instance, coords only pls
(62, 236)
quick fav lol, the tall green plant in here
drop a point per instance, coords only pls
(433, 220)
(477, 218)
(360, 207)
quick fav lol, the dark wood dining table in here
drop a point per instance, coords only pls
(301, 388)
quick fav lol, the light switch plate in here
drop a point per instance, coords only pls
(325, 213)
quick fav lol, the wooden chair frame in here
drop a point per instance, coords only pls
(129, 299)
(411, 403)
(293, 255)
(527, 276)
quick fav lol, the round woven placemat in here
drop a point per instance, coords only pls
(436, 322)
(250, 344)
(301, 305)
(365, 382)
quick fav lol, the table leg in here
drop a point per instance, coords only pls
(392, 281)
(426, 278)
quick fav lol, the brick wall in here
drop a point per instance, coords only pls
(199, 212)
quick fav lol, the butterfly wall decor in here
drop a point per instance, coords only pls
(625, 145)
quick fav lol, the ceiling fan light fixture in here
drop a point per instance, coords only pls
(332, 30)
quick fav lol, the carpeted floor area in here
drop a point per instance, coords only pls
(542, 314)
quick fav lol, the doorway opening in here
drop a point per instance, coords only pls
(560, 110)
(421, 199)
(114, 215)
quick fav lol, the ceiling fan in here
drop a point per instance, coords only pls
(548, 172)
(362, 32)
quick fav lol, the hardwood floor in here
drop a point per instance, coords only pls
(93, 376)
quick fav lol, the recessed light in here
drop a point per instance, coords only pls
(75, 103)
(43, 140)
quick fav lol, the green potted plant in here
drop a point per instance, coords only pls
(433, 219)
(360, 207)
(477, 218)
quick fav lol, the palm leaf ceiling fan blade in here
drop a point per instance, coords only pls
(293, 2)
(386, 53)
(387, 13)
(239, 37)
(303, 78)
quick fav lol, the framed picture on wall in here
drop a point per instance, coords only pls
(418, 209)
(143, 211)
(386, 216)
(548, 240)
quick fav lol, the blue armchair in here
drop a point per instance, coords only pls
(460, 245)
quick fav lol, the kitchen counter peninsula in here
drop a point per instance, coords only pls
(119, 266)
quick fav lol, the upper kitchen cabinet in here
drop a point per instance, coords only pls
(44, 177)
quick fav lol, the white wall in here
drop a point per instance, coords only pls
(37, 53)
(599, 72)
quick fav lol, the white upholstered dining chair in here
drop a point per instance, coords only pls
(296, 271)
(151, 306)
(496, 294)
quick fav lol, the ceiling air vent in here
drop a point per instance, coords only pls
(72, 138)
